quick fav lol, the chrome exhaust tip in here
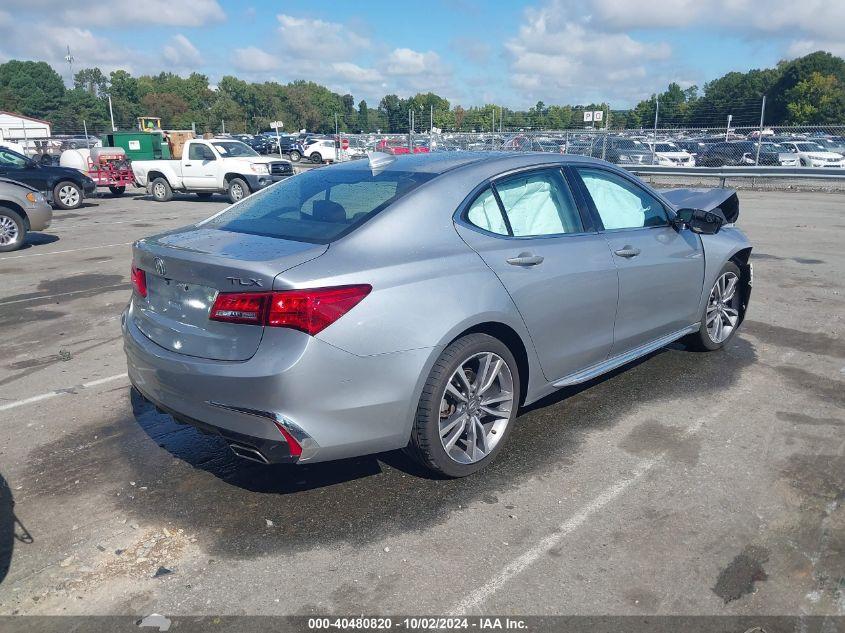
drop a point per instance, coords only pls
(247, 452)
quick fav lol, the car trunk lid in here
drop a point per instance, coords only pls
(186, 269)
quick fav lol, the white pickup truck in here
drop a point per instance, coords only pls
(211, 166)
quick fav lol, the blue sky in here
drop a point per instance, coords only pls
(511, 53)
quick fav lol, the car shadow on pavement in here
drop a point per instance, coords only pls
(8, 533)
(38, 239)
(159, 472)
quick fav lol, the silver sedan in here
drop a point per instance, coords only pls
(418, 302)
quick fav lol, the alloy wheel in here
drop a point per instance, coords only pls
(237, 191)
(159, 190)
(8, 231)
(476, 407)
(69, 196)
(723, 308)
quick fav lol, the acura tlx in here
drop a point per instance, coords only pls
(418, 302)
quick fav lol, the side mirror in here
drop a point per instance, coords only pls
(701, 221)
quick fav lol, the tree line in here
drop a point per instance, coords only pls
(808, 90)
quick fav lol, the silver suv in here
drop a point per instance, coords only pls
(22, 209)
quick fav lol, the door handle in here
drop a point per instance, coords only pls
(628, 252)
(187, 164)
(525, 259)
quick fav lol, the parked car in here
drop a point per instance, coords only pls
(290, 146)
(208, 167)
(737, 153)
(321, 150)
(295, 326)
(22, 209)
(399, 146)
(671, 155)
(624, 151)
(63, 187)
(814, 155)
(260, 144)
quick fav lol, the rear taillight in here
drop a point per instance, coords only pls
(310, 311)
(293, 446)
(139, 281)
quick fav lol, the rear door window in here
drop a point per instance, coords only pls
(318, 206)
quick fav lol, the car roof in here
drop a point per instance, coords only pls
(439, 163)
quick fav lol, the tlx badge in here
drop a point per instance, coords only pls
(237, 281)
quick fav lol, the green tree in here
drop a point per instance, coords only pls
(92, 80)
(816, 100)
(363, 116)
(790, 74)
(31, 88)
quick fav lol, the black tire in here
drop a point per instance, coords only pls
(161, 190)
(117, 191)
(316, 158)
(12, 230)
(237, 190)
(425, 445)
(67, 195)
(702, 341)
(204, 195)
(295, 156)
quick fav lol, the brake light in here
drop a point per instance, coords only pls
(139, 281)
(310, 311)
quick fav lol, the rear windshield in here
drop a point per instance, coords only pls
(318, 206)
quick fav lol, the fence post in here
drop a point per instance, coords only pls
(566, 145)
(604, 146)
(85, 129)
(760, 137)
(654, 137)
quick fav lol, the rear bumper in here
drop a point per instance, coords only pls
(334, 403)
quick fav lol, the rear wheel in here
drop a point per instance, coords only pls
(467, 407)
(117, 191)
(237, 190)
(721, 316)
(161, 190)
(67, 195)
(12, 230)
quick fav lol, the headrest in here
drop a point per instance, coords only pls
(328, 211)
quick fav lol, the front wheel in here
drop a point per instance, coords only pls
(721, 317)
(316, 158)
(295, 156)
(237, 190)
(67, 195)
(12, 230)
(467, 407)
(117, 191)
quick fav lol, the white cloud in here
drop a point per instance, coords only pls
(255, 60)
(317, 39)
(124, 13)
(799, 48)
(356, 74)
(556, 59)
(181, 53)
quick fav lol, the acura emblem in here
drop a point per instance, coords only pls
(161, 269)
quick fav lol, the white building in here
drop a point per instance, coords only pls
(16, 127)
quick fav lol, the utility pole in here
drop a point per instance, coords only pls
(654, 137)
(728, 129)
(223, 123)
(111, 114)
(336, 137)
(760, 135)
(69, 60)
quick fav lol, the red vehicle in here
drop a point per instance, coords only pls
(399, 146)
(109, 167)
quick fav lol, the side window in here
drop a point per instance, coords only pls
(12, 161)
(620, 203)
(485, 213)
(198, 151)
(539, 203)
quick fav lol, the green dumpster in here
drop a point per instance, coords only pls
(138, 145)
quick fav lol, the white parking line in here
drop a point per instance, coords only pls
(519, 564)
(72, 250)
(60, 392)
(123, 286)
